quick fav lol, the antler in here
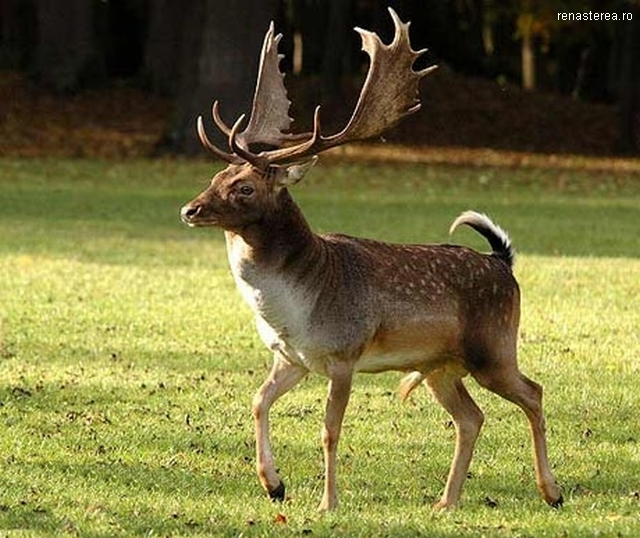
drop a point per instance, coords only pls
(389, 93)
(269, 114)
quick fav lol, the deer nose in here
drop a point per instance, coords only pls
(188, 212)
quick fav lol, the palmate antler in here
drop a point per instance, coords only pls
(270, 111)
(389, 93)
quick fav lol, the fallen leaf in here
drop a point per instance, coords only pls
(280, 519)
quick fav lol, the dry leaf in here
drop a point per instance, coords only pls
(280, 519)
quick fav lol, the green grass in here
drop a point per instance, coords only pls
(127, 362)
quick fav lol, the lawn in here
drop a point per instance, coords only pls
(128, 362)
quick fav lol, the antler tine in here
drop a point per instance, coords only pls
(215, 114)
(204, 140)
(312, 145)
(316, 135)
(257, 161)
(390, 92)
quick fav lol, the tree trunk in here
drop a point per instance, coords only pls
(311, 18)
(67, 49)
(629, 82)
(17, 33)
(219, 60)
(162, 50)
(528, 61)
(334, 49)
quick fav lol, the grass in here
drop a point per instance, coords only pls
(127, 364)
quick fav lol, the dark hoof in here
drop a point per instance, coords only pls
(558, 503)
(277, 494)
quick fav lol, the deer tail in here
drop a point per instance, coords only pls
(496, 236)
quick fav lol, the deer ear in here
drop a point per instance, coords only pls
(292, 173)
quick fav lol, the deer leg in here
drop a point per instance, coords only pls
(527, 394)
(340, 377)
(449, 391)
(283, 377)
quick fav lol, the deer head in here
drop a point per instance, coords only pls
(252, 183)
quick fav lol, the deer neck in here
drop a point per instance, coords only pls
(281, 243)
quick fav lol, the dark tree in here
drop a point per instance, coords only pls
(335, 46)
(125, 36)
(628, 80)
(68, 49)
(219, 59)
(310, 18)
(17, 33)
(161, 65)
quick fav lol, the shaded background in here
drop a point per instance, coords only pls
(129, 77)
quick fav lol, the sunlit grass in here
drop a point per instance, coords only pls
(128, 363)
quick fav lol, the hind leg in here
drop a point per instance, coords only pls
(448, 390)
(527, 394)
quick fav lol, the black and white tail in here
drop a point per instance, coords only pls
(496, 236)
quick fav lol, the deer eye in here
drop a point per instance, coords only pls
(246, 190)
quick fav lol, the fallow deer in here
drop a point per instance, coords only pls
(337, 305)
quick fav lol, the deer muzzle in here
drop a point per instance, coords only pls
(189, 213)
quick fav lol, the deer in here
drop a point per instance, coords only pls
(337, 305)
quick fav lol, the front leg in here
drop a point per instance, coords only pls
(283, 377)
(340, 376)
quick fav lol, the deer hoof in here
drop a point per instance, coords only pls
(557, 503)
(444, 506)
(277, 494)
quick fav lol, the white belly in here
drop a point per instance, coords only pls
(401, 360)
